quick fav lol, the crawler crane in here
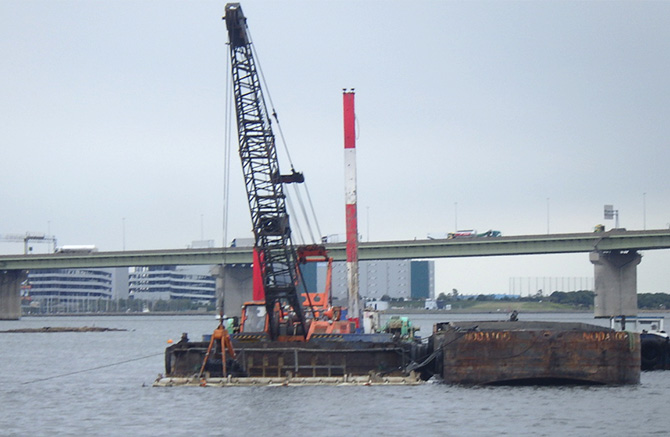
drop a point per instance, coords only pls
(277, 256)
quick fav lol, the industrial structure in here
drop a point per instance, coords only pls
(281, 337)
(351, 207)
(28, 238)
(277, 258)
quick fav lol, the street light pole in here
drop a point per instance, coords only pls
(455, 216)
(644, 211)
(547, 215)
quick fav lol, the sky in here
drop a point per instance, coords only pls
(523, 117)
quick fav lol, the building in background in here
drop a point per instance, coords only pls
(172, 282)
(68, 290)
(397, 279)
(119, 283)
(92, 290)
(52, 291)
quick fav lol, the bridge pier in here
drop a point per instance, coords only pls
(234, 286)
(615, 275)
(10, 293)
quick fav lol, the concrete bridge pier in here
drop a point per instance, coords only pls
(615, 275)
(10, 293)
(234, 286)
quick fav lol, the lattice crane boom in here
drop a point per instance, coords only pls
(263, 181)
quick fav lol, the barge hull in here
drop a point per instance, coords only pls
(528, 352)
(314, 359)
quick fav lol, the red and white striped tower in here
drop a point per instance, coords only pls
(350, 198)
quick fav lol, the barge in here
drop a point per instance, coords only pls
(324, 359)
(536, 353)
(471, 353)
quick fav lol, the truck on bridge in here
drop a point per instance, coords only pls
(77, 248)
(471, 233)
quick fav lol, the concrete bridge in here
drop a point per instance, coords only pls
(613, 253)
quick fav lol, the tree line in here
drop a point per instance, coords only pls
(582, 299)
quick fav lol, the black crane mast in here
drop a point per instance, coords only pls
(262, 178)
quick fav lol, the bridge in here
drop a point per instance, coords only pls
(614, 254)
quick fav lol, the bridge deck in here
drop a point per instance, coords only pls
(411, 249)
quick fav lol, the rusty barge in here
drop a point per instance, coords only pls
(471, 353)
(536, 352)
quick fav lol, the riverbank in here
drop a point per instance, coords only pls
(493, 307)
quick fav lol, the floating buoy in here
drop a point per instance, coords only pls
(169, 341)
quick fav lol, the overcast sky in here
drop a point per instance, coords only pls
(524, 117)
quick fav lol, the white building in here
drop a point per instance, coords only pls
(69, 290)
(172, 282)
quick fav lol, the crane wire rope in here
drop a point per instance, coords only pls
(304, 214)
(311, 206)
(229, 129)
(298, 228)
(104, 366)
(310, 306)
(227, 141)
(286, 150)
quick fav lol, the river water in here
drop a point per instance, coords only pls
(99, 383)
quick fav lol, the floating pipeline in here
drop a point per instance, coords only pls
(471, 353)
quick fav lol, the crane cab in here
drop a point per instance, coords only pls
(254, 323)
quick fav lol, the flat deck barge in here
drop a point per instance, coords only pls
(536, 353)
(471, 353)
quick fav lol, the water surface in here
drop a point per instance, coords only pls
(99, 383)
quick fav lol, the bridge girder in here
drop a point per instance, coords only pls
(411, 249)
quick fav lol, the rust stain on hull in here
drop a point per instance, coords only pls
(537, 352)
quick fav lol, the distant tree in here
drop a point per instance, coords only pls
(579, 299)
(386, 298)
(161, 305)
(454, 293)
(653, 301)
(442, 297)
(558, 297)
